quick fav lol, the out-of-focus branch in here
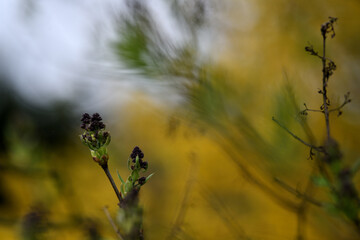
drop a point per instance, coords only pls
(111, 221)
(297, 193)
(319, 149)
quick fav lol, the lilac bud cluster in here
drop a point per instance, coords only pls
(95, 137)
(138, 153)
(93, 123)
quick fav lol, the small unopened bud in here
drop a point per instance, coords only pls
(142, 180)
(105, 157)
(144, 165)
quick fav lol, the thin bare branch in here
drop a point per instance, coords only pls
(116, 229)
(248, 174)
(319, 149)
(346, 101)
(297, 193)
(303, 206)
(220, 207)
(325, 79)
(185, 201)
(314, 110)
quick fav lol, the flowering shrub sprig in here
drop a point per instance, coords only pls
(96, 138)
(136, 164)
(333, 171)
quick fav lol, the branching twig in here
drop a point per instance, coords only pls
(319, 149)
(297, 193)
(327, 70)
(185, 201)
(346, 101)
(251, 177)
(304, 112)
(223, 212)
(117, 231)
(301, 214)
(310, 49)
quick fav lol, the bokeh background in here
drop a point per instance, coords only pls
(195, 84)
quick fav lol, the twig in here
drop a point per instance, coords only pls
(297, 193)
(304, 112)
(324, 83)
(313, 110)
(116, 229)
(301, 214)
(346, 101)
(217, 204)
(107, 172)
(319, 149)
(253, 179)
(184, 204)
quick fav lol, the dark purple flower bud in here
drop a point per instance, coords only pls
(144, 165)
(96, 117)
(142, 180)
(106, 135)
(136, 152)
(92, 126)
(101, 125)
(86, 118)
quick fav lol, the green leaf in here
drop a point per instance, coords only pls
(122, 181)
(135, 175)
(148, 177)
(122, 190)
(129, 163)
(107, 140)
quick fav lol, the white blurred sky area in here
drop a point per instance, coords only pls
(49, 48)
(60, 49)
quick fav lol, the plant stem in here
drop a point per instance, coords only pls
(116, 229)
(324, 82)
(319, 149)
(107, 172)
(297, 193)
